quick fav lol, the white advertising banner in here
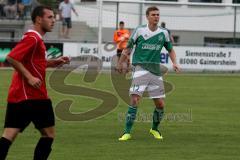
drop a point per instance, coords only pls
(189, 58)
(208, 58)
(84, 49)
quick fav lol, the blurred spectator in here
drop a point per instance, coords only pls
(2, 4)
(163, 25)
(10, 9)
(65, 9)
(34, 4)
(24, 6)
(120, 38)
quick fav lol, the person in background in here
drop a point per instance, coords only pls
(65, 9)
(10, 9)
(163, 25)
(23, 7)
(2, 4)
(120, 38)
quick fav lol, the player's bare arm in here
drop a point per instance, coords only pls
(124, 56)
(18, 66)
(58, 62)
(172, 55)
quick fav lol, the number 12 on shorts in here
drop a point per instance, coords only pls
(135, 88)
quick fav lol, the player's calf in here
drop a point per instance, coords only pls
(4, 147)
(43, 148)
(9, 134)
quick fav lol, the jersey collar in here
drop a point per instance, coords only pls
(39, 35)
(150, 30)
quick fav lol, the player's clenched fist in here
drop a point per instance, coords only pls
(35, 82)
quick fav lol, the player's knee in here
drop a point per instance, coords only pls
(135, 100)
(10, 133)
(160, 104)
(49, 136)
(49, 133)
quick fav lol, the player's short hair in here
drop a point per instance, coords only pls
(39, 11)
(121, 22)
(152, 8)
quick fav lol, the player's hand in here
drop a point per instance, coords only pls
(65, 60)
(62, 60)
(119, 68)
(35, 82)
(122, 38)
(176, 68)
(126, 36)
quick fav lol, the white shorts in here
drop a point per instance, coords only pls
(144, 80)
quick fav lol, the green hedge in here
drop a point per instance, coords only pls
(52, 3)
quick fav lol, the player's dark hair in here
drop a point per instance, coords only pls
(149, 9)
(121, 22)
(39, 12)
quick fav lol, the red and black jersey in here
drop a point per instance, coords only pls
(31, 52)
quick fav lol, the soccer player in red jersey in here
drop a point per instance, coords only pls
(28, 100)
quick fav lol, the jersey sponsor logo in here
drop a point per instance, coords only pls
(151, 46)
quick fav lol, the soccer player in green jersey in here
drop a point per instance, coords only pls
(148, 41)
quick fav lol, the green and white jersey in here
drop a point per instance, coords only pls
(148, 46)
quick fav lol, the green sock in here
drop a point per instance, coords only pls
(130, 117)
(157, 117)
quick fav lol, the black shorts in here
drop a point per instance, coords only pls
(20, 115)
(119, 52)
(67, 22)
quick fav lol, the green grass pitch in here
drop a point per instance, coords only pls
(212, 133)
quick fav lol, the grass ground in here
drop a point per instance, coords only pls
(202, 123)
